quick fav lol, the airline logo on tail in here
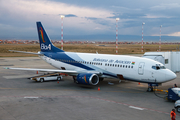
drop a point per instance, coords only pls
(85, 79)
(41, 34)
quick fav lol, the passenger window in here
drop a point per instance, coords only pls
(131, 66)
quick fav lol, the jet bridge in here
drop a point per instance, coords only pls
(171, 60)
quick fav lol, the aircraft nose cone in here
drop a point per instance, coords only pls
(170, 75)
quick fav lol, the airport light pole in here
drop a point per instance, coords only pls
(142, 37)
(117, 19)
(160, 39)
(62, 17)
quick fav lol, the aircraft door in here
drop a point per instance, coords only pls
(141, 68)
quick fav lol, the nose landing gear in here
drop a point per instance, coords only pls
(151, 87)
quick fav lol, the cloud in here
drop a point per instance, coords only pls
(30, 11)
(70, 15)
(156, 16)
(165, 6)
(90, 17)
(174, 34)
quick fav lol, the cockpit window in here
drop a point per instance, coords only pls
(158, 66)
(162, 67)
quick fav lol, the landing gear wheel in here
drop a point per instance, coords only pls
(58, 78)
(41, 80)
(150, 89)
(74, 78)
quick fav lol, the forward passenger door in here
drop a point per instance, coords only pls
(141, 68)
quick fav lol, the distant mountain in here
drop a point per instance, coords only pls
(100, 38)
(120, 38)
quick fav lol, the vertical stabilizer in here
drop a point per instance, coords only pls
(45, 43)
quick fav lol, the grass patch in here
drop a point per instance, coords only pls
(85, 48)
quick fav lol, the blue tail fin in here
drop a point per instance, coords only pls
(45, 43)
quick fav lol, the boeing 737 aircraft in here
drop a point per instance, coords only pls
(88, 68)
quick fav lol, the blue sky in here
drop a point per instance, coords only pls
(93, 17)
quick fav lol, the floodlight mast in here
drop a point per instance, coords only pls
(117, 19)
(142, 37)
(62, 17)
(160, 39)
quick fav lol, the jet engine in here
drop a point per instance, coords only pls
(87, 79)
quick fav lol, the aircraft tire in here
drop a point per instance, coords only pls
(150, 89)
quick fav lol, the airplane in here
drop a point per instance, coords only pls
(90, 69)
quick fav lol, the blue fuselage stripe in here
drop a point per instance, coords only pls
(66, 59)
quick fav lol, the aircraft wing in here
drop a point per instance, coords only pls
(26, 52)
(43, 70)
(53, 70)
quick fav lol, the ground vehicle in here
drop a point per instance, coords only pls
(173, 94)
(177, 105)
(47, 78)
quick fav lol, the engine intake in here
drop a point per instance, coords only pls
(87, 79)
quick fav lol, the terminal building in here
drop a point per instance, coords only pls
(171, 60)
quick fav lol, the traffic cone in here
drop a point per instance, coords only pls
(57, 81)
(98, 88)
(37, 72)
(139, 83)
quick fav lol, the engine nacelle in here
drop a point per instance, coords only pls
(87, 79)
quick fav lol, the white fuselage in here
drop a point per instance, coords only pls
(111, 66)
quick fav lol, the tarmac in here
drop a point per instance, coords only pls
(24, 99)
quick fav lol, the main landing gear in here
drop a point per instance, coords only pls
(74, 78)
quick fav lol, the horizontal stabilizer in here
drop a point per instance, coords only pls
(26, 52)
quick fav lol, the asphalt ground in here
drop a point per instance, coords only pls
(24, 99)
